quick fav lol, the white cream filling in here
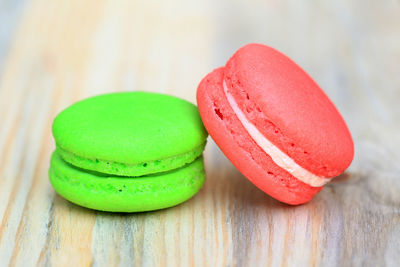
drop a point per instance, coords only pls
(278, 156)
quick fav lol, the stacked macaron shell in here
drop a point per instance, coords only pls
(275, 124)
(128, 152)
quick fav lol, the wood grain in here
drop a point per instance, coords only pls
(61, 51)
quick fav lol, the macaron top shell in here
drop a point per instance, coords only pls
(129, 127)
(289, 109)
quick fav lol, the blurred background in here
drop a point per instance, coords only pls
(53, 53)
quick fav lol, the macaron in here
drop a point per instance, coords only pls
(128, 152)
(275, 124)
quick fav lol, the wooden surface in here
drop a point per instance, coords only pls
(53, 53)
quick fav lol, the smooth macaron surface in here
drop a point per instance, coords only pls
(125, 194)
(130, 134)
(288, 108)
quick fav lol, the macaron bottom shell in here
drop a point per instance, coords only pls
(125, 194)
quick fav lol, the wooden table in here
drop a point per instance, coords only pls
(53, 53)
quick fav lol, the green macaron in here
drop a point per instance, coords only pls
(128, 152)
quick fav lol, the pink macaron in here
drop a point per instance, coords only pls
(275, 124)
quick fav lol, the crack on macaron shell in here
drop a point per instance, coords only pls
(133, 170)
(115, 193)
(279, 157)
